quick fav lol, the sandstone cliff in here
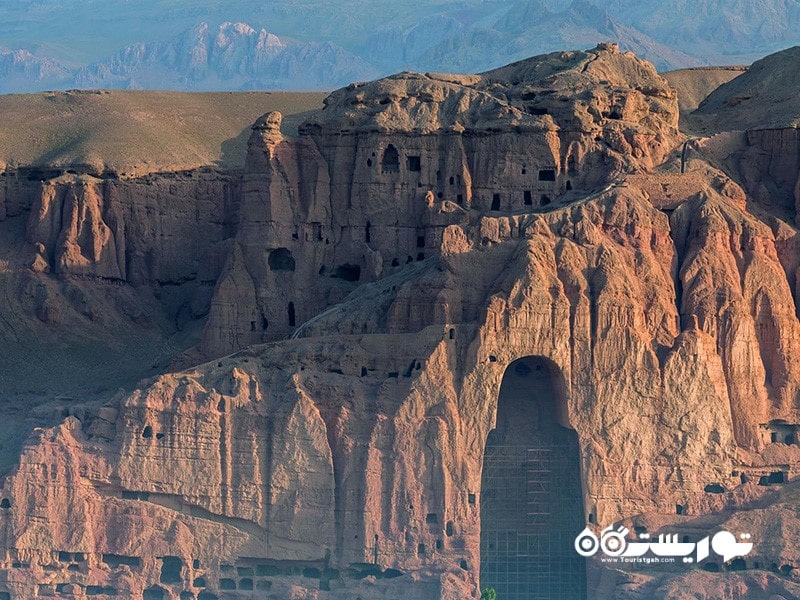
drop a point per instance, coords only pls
(347, 201)
(374, 278)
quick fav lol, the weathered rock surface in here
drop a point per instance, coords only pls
(347, 200)
(418, 236)
(159, 229)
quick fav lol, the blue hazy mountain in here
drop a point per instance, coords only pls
(232, 56)
(314, 44)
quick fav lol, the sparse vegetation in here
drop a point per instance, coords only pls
(138, 132)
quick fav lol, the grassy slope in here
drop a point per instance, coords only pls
(694, 85)
(138, 132)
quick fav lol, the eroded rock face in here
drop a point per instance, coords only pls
(348, 200)
(158, 229)
(307, 450)
(347, 460)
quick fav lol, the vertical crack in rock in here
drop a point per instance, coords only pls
(522, 218)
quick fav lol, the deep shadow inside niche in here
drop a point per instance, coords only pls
(171, 569)
(348, 272)
(155, 593)
(227, 584)
(391, 160)
(737, 564)
(531, 501)
(246, 584)
(281, 259)
(99, 590)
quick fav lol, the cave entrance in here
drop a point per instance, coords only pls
(531, 504)
(390, 163)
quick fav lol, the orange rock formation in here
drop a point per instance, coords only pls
(367, 285)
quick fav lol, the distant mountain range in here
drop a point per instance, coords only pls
(21, 71)
(232, 56)
(308, 44)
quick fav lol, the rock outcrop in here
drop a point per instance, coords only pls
(375, 279)
(346, 201)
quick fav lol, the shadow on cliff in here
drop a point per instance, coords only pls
(234, 150)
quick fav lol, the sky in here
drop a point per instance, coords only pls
(149, 43)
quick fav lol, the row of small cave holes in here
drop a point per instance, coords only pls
(774, 478)
(737, 564)
(393, 166)
(415, 365)
(172, 565)
(740, 564)
(171, 574)
(153, 593)
(281, 259)
(390, 163)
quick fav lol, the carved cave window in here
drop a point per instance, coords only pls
(391, 160)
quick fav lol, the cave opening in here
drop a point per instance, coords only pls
(391, 160)
(171, 567)
(281, 259)
(531, 501)
(348, 272)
